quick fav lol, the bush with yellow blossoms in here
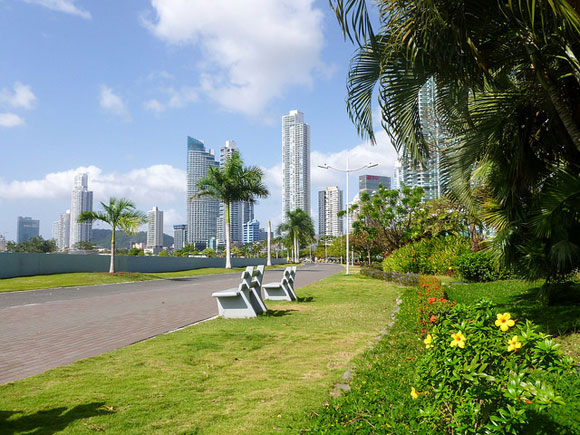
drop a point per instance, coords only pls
(484, 372)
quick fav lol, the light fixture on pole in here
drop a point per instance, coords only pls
(347, 171)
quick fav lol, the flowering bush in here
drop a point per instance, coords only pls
(433, 302)
(483, 372)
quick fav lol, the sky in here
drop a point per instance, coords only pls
(113, 88)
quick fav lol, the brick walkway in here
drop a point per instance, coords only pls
(44, 329)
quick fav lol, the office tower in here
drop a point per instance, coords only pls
(240, 212)
(370, 183)
(295, 163)
(252, 231)
(329, 204)
(202, 212)
(2, 243)
(179, 236)
(27, 228)
(431, 176)
(155, 230)
(82, 200)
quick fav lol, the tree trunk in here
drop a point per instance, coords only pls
(112, 267)
(296, 253)
(228, 241)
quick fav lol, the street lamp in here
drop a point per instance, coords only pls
(347, 171)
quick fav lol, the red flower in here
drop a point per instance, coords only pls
(431, 300)
(433, 319)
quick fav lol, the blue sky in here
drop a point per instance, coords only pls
(114, 88)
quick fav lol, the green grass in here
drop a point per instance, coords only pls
(380, 400)
(222, 376)
(84, 279)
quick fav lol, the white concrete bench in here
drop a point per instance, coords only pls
(241, 302)
(256, 290)
(283, 290)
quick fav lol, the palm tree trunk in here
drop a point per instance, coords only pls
(296, 248)
(112, 266)
(228, 241)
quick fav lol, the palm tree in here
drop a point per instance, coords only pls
(300, 229)
(119, 213)
(232, 183)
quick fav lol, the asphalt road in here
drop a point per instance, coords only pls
(43, 329)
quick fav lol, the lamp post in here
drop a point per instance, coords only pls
(347, 171)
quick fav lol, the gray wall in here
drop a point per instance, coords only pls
(13, 265)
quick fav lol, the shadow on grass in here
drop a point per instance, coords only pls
(279, 313)
(50, 421)
(305, 299)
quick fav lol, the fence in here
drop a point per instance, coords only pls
(13, 265)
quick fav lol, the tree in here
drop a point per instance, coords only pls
(232, 183)
(507, 80)
(34, 245)
(300, 230)
(208, 252)
(119, 213)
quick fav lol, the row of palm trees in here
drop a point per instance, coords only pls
(231, 183)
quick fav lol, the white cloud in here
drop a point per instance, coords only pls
(10, 120)
(21, 96)
(113, 103)
(253, 51)
(66, 6)
(176, 99)
(157, 184)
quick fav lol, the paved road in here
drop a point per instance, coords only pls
(42, 329)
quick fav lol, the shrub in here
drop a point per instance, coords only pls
(433, 302)
(483, 372)
(479, 267)
(409, 279)
(427, 256)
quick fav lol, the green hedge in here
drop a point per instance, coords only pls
(479, 267)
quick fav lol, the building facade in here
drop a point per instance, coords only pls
(2, 243)
(202, 212)
(371, 183)
(329, 204)
(295, 163)
(252, 231)
(430, 176)
(82, 200)
(179, 236)
(61, 231)
(155, 230)
(27, 228)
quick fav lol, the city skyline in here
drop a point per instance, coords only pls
(121, 110)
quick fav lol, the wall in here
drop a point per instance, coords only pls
(13, 265)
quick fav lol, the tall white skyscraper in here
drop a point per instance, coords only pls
(329, 204)
(155, 230)
(295, 163)
(61, 231)
(202, 212)
(82, 200)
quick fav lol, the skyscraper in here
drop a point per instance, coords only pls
(329, 204)
(82, 200)
(27, 228)
(370, 183)
(155, 230)
(202, 212)
(295, 163)
(430, 177)
(2, 243)
(179, 236)
(61, 231)
(252, 231)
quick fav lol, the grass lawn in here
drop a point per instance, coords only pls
(83, 279)
(380, 400)
(222, 376)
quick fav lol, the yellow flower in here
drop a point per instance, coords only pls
(414, 394)
(458, 340)
(504, 321)
(514, 344)
(428, 341)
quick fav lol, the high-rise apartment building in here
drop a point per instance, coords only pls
(329, 204)
(27, 228)
(370, 183)
(202, 212)
(179, 236)
(2, 243)
(82, 200)
(252, 231)
(61, 231)
(430, 176)
(295, 163)
(240, 212)
(155, 230)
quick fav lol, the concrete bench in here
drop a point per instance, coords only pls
(256, 290)
(241, 302)
(283, 290)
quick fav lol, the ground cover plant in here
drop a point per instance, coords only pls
(87, 278)
(222, 376)
(392, 392)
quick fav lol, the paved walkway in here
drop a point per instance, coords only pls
(43, 329)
